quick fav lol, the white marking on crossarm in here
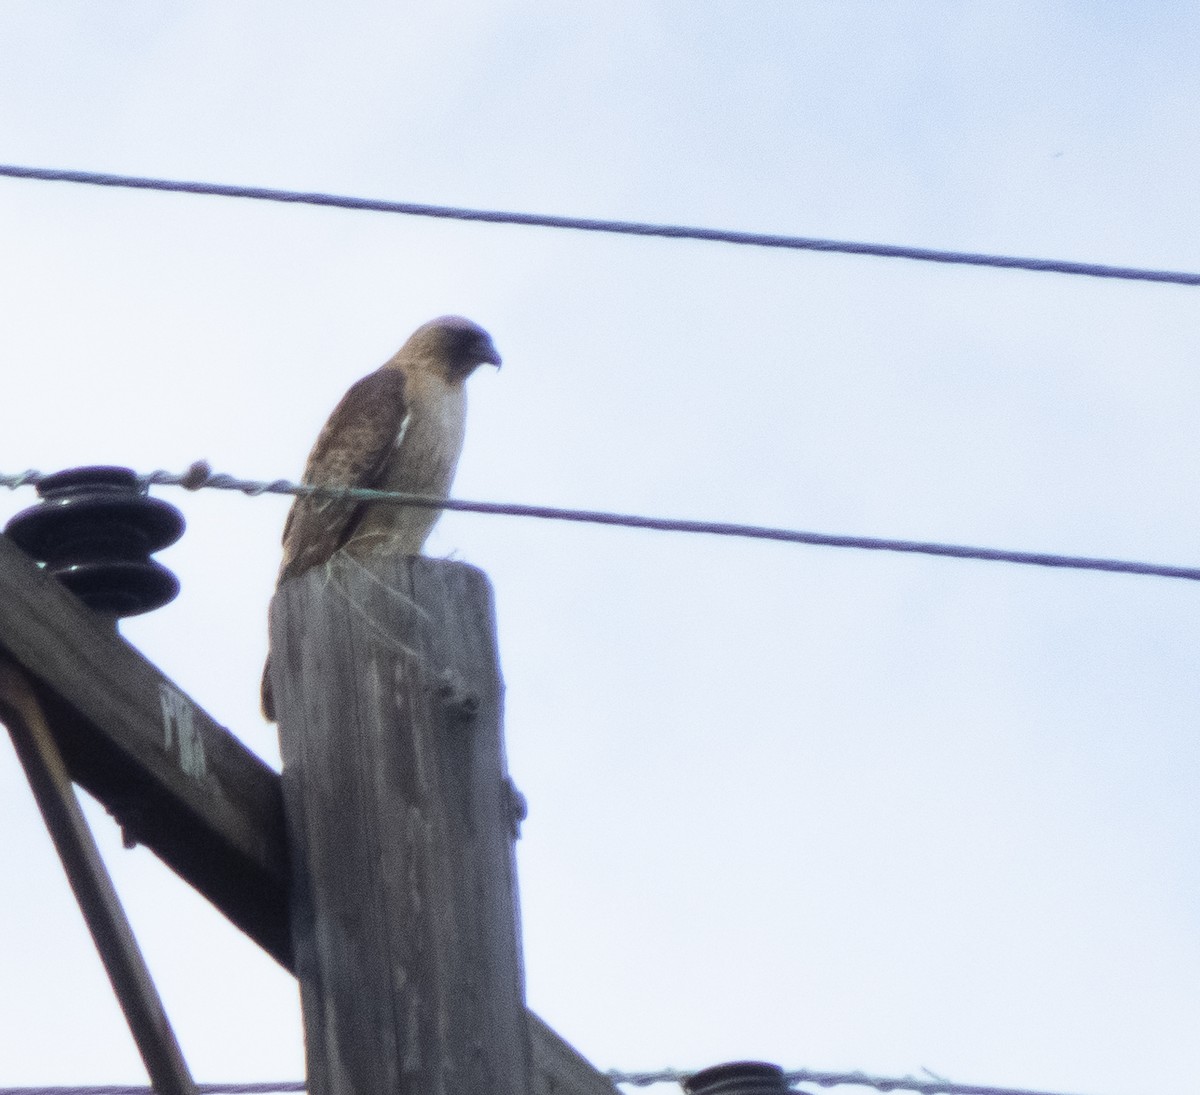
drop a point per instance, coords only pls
(179, 731)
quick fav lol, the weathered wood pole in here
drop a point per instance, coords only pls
(400, 821)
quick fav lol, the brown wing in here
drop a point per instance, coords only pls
(351, 451)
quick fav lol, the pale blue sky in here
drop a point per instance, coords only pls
(829, 809)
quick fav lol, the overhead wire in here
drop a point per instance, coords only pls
(283, 1088)
(592, 224)
(936, 1086)
(200, 476)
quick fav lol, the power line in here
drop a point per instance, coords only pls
(286, 1086)
(200, 476)
(588, 224)
(932, 1086)
(636, 1079)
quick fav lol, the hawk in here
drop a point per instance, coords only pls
(400, 429)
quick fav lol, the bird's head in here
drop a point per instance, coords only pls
(457, 342)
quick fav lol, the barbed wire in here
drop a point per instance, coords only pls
(591, 224)
(937, 1086)
(142, 1089)
(200, 476)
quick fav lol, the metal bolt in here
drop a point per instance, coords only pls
(456, 697)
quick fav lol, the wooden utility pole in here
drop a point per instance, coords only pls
(401, 819)
(174, 779)
(178, 782)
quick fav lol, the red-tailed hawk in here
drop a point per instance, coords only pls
(400, 428)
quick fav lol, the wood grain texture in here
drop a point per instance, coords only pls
(178, 782)
(404, 913)
(222, 833)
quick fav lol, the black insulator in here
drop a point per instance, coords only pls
(95, 530)
(738, 1078)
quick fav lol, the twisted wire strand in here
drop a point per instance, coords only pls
(200, 476)
(932, 1086)
(282, 1088)
(636, 1079)
(591, 224)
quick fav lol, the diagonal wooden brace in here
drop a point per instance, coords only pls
(39, 755)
